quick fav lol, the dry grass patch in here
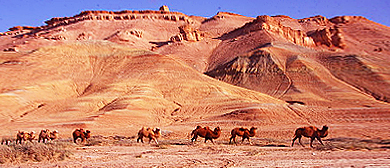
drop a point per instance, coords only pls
(354, 144)
(35, 152)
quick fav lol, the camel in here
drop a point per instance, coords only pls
(199, 131)
(244, 133)
(53, 135)
(80, 133)
(44, 135)
(310, 132)
(206, 133)
(31, 136)
(21, 136)
(6, 140)
(149, 133)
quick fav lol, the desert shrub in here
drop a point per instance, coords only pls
(35, 152)
(94, 142)
(350, 144)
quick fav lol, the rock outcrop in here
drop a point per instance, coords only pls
(330, 37)
(188, 33)
(320, 20)
(346, 19)
(164, 14)
(56, 37)
(269, 24)
(164, 8)
(125, 35)
(84, 36)
(121, 15)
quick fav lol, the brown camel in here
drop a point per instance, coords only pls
(6, 140)
(31, 136)
(53, 135)
(149, 133)
(206, 133)
(244, 133)
(310, 132)
(80, 133)
(44, 135)
(199, 131)
(21, 136)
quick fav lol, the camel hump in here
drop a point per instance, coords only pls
(299, 130)
(242, 129)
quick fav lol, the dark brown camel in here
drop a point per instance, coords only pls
(244, 133)
(149, 133)
(31, 136)
(80, 133)
(21, 136)
(6, 140)
(53, 135)
(206, 133)
(44, 135)
(310, 132)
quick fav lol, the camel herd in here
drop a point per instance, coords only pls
(153, 134)
(23, 136)
(44, 136)
(209, 134)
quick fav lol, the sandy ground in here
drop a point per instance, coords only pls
(183, 154)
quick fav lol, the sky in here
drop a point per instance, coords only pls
(35, 12)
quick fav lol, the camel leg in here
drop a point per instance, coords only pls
(230, 140)
(140, 138)
(300, 141)
(311, 142)
(293, 141)
(319, 139)
(243, 139)
(212, 141)
(194, 138)
(155, 140)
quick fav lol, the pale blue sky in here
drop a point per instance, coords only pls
(35, 12)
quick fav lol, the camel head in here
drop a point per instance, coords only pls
(87, 134)
(216, 133)
(324, 131)
(325, 127)
(217, 130)
(253, 129)
(157, 131)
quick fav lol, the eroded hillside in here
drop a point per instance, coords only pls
(117, 71)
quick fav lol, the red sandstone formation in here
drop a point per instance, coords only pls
(188, 33)
(112, 70)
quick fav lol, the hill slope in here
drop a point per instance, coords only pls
(117, 71)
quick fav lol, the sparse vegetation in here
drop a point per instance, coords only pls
(94, 142)
(353, 144)
(36, 152)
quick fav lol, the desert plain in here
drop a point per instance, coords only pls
(113, 72)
